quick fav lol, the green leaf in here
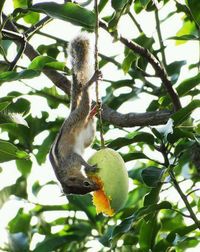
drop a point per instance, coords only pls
(20, 3)
(83, 203)
(105, 238)
(39, 62)
(189, 242)
(153, 196)
(12, 76)
(187, 32)
(179, 134)
(169, 221)
(69, 12)
(118, 5)
(114, 21)
(31, 17)
(152, 176)
(134, 156)
(134, 137)
(182, 231)
(51, 50)
(152, 208)
(188, 84)
(194, 6)
(144, 2)
(20, 223)
(126, 224)
(102, 4)
(53, 98)
(198, 205)
(1, 5)
(44, 148)
(129, 59)
(4, 105)
(53, 242)
(174, 69)
(56, 65)
(24, 166)
(21, 106)
(148, 232)
(21, 154)
(138, 6)
(122, 228)
(186, 37)
(36, 187)
(183, 88)
(135, 196)
(10, 152)
(18, 189)
(182, 115)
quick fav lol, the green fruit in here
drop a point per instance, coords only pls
(113, 177)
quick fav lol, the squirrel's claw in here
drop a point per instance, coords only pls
(91, 169)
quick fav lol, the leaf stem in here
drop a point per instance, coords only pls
(135, 22)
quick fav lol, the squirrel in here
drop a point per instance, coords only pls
(77, 131)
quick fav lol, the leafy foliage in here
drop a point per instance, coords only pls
(163, 162)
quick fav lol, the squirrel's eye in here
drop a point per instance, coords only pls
(86, 183)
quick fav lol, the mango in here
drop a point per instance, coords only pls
(112, 177)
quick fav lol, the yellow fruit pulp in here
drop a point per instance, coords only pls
(100, 200)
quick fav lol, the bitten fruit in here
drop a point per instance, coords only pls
(113, 180)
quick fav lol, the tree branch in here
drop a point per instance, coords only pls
(134, 119)
(57, 78)
(159, 70)
(108, 114)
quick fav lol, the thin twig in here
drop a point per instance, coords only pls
(18, 38)
(97, 68)
(185, 215)
(184, 198)
(25, 28)
(135, 22)
(160, 39)
(29, 32)
(195, 190)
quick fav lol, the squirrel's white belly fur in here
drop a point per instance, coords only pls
(85, 135)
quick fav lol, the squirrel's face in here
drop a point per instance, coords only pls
(79, 185)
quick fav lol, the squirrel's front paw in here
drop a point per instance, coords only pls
(99, 75)
(91, 169)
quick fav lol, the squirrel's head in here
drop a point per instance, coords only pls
(79, 185)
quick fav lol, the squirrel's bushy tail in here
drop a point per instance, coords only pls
(81, 53)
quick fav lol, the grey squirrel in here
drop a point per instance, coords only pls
(77, 131)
